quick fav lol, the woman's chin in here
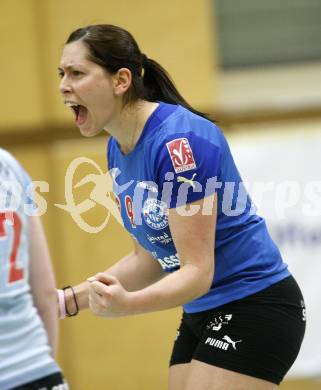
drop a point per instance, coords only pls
(89, 132)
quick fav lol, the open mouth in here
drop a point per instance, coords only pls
(79, 111)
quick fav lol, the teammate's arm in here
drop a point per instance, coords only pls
(42, 280)
(135, 271)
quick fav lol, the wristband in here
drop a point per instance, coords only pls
(62, 304)
(68, 314)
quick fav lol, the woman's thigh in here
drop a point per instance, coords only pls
(178, 376)
(202, 376)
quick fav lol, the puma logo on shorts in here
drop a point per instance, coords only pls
(220, 344)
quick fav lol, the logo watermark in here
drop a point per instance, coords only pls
(101, 195)
(149, 203)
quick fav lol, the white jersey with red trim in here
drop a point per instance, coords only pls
(24, 349)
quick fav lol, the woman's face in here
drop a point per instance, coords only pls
(87, 89)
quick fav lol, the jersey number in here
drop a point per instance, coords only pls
(130, 210)
(15, 273)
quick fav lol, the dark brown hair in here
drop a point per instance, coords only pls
(113, 48)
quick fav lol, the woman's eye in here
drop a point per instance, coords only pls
(76, 73)
(72, 73)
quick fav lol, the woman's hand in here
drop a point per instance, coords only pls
(107, 297)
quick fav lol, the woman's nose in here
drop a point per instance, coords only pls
(64, 86)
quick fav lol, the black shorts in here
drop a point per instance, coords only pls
(259, 335)
(48, 382)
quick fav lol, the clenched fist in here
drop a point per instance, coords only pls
(107, 297)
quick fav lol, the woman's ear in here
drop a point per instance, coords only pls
(122, 81)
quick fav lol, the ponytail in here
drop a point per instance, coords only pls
(158, 85)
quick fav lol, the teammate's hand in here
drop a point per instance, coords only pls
(107, 297)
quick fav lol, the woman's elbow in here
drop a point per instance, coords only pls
(205, 282)
(206, 285)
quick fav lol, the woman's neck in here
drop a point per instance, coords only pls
(129, 124)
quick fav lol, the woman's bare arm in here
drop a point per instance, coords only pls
(42, 280)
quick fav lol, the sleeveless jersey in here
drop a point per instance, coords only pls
(24, 350)
(180, 158)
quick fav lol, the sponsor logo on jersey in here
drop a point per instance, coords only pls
(182, 179)
(181, 155)
(169, 262)
(155, 213)
(222, 344)
(164, 239)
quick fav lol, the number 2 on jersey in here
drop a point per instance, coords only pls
(15, 273)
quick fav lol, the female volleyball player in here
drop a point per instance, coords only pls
(28, 307)
(198, 242)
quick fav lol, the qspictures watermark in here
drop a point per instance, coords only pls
(234, 197)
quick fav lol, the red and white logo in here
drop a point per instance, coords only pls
(181, 155)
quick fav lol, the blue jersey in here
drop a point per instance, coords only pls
(180, 158)
(24, 350)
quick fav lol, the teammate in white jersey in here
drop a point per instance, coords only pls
(28, 308)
